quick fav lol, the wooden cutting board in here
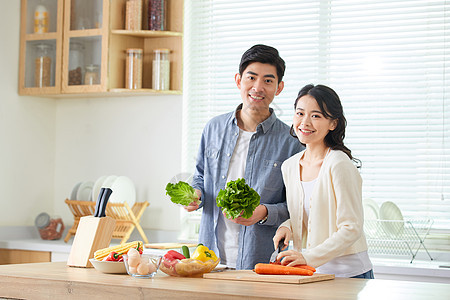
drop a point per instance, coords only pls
(249, 275)
(167, 245)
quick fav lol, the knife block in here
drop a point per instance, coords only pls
(93, 233)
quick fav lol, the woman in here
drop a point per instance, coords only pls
(324, 192)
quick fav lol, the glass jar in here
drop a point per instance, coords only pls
(50, 228)
(133, 69)
(161, 69)
(41, 19)
(157, 15)
(42, 66)
(91, 75)
(76, 63)
(133, 15)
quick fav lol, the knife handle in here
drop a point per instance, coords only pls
(98, 203)
(105, 198)
(280, 245)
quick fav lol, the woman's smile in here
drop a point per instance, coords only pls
(311, 124)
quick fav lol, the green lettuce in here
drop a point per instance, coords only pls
(181, 193)
(237, 198)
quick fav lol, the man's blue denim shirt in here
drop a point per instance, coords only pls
(269, 147)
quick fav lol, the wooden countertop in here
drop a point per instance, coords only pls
(58, 281)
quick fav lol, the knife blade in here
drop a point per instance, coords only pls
(105, 198)
(98, 203)
(275, 253)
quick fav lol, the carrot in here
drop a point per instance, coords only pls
(274, 269)
(297, 266)
(306, 267)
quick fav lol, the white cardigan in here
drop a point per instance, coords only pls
(335, 223)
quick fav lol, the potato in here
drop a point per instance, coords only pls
(143, 269)
(133, 252)
(133, 261)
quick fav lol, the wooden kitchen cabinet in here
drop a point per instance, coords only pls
(40, 52)
(86, 44)
(15, 256)
(148, 40)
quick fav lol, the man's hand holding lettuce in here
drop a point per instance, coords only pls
(238, 199)
(182, 193)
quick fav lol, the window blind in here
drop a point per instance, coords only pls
(387, 60)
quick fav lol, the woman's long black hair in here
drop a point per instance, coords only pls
(331, 107)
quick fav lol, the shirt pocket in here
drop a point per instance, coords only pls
(212, 159)
(212, 153)
(272, 172)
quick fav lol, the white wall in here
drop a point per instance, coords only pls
(27, 135)
(138, 137)
(48, 145)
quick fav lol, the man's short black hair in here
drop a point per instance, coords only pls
(263, 54)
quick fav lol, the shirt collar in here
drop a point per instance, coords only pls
(264, 125)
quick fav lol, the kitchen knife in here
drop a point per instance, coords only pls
(105, 198)
(274, 255)
(98, 203)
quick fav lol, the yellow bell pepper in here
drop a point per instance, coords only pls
(202, 253)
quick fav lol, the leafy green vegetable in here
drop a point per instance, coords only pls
(238, 198)
(181, 193)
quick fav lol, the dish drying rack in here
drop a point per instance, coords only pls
(127, 218)
(397, 237)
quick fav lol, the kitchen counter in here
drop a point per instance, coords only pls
(422, 269)
(58, 281)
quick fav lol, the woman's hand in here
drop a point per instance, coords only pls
(291, 258)
(194, 205)
(282, 233)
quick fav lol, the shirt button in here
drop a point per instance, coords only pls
(275, 164)
(228, 154)
(223, 177)
(236, 134)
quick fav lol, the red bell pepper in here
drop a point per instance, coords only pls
(172, 254)
(113, 256)
(170, 258)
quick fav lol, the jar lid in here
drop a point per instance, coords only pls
(164, 50)
(43, 46)
(92, 67)
(42, 220)
(134, 50)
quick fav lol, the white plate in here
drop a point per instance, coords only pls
(109, 181)
(97, 186)
(371, 209)
(390, 212)
(111, 267)
(123, 190)
(73, 195)
(85, 190)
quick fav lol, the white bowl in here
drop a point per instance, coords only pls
(111, 267)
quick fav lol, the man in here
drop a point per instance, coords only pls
(249, 143)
